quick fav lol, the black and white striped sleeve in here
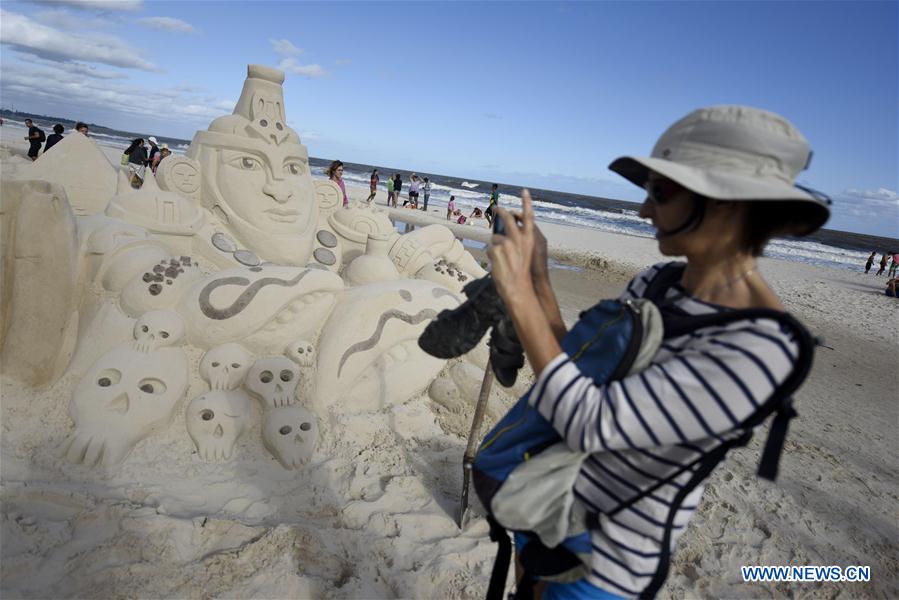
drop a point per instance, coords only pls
(705, 384)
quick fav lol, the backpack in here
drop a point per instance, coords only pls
(41, 136)
(524, 472)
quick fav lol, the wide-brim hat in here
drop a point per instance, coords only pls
(152, 139)
(735, 153)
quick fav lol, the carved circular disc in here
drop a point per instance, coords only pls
(245, 257)
(326, 238)
(324, 256)
(223, 242)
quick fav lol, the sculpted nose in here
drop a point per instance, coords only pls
(279, 191)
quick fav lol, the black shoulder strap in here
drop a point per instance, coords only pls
(665, 277)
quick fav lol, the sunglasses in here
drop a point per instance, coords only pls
(661, 191)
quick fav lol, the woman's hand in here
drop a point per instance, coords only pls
(512, 254)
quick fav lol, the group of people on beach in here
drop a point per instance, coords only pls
(892, 280)
(36, 136)
(137, 158)
(418, 188)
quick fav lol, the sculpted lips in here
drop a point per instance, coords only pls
(281, 215)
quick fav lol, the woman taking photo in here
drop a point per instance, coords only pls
(719, 184)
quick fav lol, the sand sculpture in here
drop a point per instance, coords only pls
(232, 250)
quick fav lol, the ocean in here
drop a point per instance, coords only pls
(837, 249)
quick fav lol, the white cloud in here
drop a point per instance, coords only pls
(873, 211)
(285, 48)
(167, 24)
(76, 68)
(104, 5)
(54, 85)
(61, 18)
(291, 65)
(24, 35)
(343, 62)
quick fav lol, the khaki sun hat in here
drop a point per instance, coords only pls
(733, 153)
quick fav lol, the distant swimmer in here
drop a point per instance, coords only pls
(870, 262)
(492, 205)
(883, 263)
(373, 187)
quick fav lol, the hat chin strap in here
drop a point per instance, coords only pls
(693, 220)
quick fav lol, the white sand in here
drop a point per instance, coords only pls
(370, 517)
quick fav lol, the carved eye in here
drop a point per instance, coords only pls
(300, 350)
(286, 375)
(249, 163)
(310, 349)
(109, 377)
(293, 168)
(285, 430)
(306, 426)
(144, 328)
(164, 334)
(263, 122)
(215, 364)
(235, 365)
(279, 127)
(207, 415)
(266, 376)
(151, 386)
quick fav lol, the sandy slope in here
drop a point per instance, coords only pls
(370, 517)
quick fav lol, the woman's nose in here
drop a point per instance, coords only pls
(646, 209)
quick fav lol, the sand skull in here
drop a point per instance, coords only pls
(273, 379)
(215, 420)
(225, 367)
(157, 329)
(290, 433)
(123, 398)
(301, 352)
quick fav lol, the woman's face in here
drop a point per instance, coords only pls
(338, 172)
(669, 205)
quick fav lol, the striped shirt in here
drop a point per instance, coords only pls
(643, 428)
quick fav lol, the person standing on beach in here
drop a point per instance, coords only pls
(492, 205)
(390, 190)
(883, 263)
(373, 186)
(55, 136)
(397, 188)
(426, 190)
(450, 208)
(893, 265)
(82, 128)
(137, 162)
(154, 150)
(35, 138)
(652, 437)
(335, 174)
(870, 262)
(414, 182)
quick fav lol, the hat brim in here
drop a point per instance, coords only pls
(724, 186)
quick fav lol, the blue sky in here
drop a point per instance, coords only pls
(539, 94)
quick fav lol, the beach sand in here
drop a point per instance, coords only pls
(372, 515)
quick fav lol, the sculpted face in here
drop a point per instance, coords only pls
(270, 187)
(255, 173)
